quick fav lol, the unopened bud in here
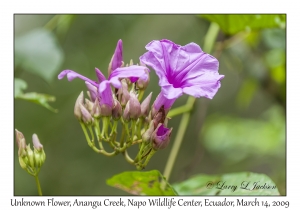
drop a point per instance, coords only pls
(21, 143)
(95, 112)
(22, 162)
(86, 116)
(161, 137)
(126, 116)
(143, 84)
(134, 107)
(30, 156)
(77, 110)
(89, 105)
(145, 106)
(123, 94)
(131, 62)
(39, 158)
(117, 110)
(148, 133)
(36, 142)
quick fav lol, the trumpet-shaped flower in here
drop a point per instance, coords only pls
(182, 69)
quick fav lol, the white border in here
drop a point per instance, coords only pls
(6, 85)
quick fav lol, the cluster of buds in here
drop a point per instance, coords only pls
(30, 160)
(118, 101)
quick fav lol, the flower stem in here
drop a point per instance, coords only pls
(180, 110)
(38, 185)
(175, 148)
(210, 37)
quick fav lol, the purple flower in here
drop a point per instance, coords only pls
(117, 58)
(103, 86)
(182, 69)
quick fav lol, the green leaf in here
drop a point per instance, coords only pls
(20, 85)
(39, 53)
(243, 183)
(232, 24)
(141, 183)
(38, 98)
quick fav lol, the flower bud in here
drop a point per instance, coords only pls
(21, 143)
(117, 110)
(143, 84)
(145, 105)
(95, 112)
(160, 137)
(77, 110)
(86, 116)
(126, 116)
(147, 135)
(89, 105)
(30, 156)
(39, 158)
(123, 94)
(36, 142)
(134, 107)
(22, 162)
(130, 62)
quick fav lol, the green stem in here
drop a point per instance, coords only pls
(141, 94)
(86, 134)
(182, 109)
(175, 148)
(128, 158)
(209, 42)
(38, 185)
(122, 136)
(210, 37)
(52, 23)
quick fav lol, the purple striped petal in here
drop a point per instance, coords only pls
(127, 72)
(72, 75)
(118, 56)
(99, 75)
(182, 69)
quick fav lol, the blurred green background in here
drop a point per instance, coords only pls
(242, 129)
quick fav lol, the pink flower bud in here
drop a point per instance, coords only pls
(123, 94)
(161, 137)
(21, 143)
(86, 116)
(77, 110)
(36, 142)
(117, 110)
(143, 84)
(148, 133)
(145, 106)
(96, 109)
